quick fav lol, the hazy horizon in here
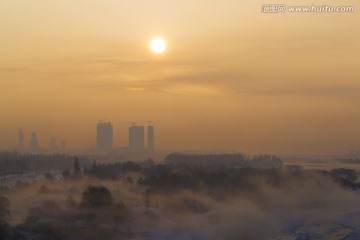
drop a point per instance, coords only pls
(232, 78)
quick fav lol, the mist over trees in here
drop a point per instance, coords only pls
(225, 160)
(97, 216)
(15, 163)
(227, 196)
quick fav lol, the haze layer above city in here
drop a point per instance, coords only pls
(230, 79)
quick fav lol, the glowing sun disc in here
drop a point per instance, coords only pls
(157, 45)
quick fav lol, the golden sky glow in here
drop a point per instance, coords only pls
(233, 79)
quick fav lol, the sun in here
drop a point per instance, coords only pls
(158, 45)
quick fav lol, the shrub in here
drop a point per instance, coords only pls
(96, 197)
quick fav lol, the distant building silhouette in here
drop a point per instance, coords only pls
(136, 137)
(104, 136)
(150, 137)
(63, 145)
(34, 143)
(52, 145)
(21, 139)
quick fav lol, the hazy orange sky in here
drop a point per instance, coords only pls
(232, 78)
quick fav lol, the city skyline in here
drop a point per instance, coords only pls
(104, 141)
(43, 143)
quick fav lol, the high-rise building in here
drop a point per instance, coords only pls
(21, 139)
(136, 137)
(52, 145)
(150, 137)
(34, 143)
(104, 136)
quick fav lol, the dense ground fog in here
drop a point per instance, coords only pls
(178, 200)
